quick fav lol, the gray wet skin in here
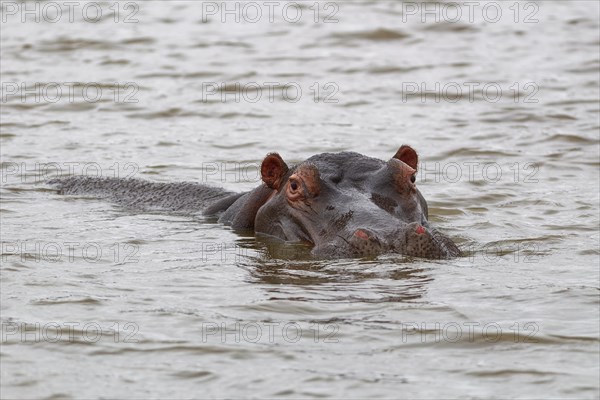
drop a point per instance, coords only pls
(343, 204)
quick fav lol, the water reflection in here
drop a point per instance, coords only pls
(288, 271)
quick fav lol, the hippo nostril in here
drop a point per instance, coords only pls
(359, 233)
(420, 230)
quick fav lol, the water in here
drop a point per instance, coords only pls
(101, 301)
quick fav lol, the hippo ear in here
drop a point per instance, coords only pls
(273, 169)
(408, 155)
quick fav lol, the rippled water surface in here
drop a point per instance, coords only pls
(102, 301)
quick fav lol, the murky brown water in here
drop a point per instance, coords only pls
(100, 301)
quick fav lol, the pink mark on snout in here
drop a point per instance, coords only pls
(420, 230)
(361, 234)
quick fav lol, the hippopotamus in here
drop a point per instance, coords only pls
(342, 204)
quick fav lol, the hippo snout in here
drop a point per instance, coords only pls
(423, 241)
(412, 239)
(364, 242)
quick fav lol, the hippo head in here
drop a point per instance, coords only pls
(350, 205)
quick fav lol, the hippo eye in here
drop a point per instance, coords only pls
(413, 178)
(294, 191)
